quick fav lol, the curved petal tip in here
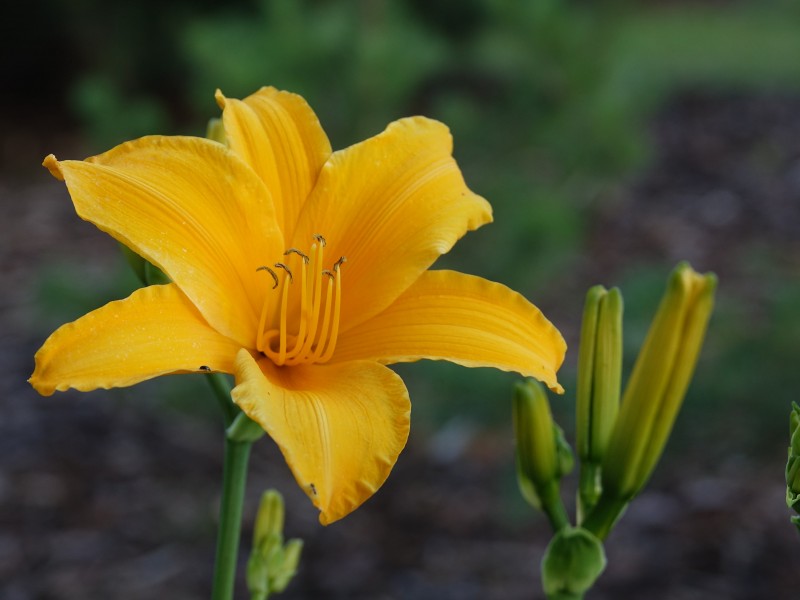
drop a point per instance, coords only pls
(51, 164)
(220, 98)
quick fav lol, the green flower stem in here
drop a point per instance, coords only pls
(604, 515)
(234, 477)
(222, 392)
(553, 507)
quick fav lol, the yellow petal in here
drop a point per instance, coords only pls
(194, 209)
(340, 427)
(391, 204)
(467, 320)
(280, 137)
(155, 331)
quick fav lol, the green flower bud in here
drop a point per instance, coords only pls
(573, 561)
(599, 372)
(286, 570)
(533, 426)
(269, 519)
(793, 464)
(656, 388)
(543, 455)
(272, 565)
(599, 380)
(794, 429)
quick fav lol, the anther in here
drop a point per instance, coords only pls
(328, 273)
(340, 262)
(288, 272)
(296, 251)
(271, 272)
(320, 239)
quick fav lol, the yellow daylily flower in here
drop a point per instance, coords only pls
(302, 272)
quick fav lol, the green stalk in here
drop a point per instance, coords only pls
(604, 515)
(222, 392)
(234, 477)
(553, 507)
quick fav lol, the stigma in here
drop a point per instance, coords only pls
(299, 321)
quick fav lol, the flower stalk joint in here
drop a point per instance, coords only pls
(573, 561)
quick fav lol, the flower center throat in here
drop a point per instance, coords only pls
(299, 321)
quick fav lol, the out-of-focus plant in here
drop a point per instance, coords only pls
(361, 63)
(618, 444)
(793, 464)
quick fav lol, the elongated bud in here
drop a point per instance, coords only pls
(543, 455)
(794, 429)
(573, 561)
(269, 519)
(599, 380)
(287, 568)
(533, 426)
(599, 372)
(658, 384)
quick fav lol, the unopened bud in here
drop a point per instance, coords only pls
(658, 384)
(654, 394)
(543, 454)
(272, 565)
(599, 377)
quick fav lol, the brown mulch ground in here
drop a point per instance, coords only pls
(110, 497)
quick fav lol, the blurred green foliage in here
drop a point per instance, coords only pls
(548, 102)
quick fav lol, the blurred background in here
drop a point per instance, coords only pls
(613, 139)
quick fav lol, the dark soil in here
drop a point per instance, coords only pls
(103, 496)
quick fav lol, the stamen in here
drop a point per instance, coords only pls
(336, 312)
(284, 301)
(326, 320)
(271, 272)
(285, 268)
(296, 251)
(315, 293)
(301, 329)
(262, 319)
(320, 239)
